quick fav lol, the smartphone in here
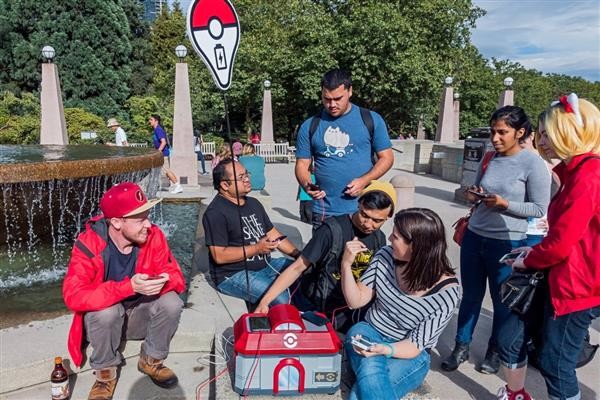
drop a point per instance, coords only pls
(362, 343)
(259, 324)
(510, 256)
(313, 187)
(153, 277)
(279, 239)
(315, 318)
(478, 194)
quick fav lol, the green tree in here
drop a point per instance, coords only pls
(93, 51)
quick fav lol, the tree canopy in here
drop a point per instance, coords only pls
(113, 64)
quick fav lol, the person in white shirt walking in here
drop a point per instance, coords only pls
(120, 136)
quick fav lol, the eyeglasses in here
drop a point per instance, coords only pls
(240, 177)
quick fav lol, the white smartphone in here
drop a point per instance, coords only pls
(511, 256)
(362, 343)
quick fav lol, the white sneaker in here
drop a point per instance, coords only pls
(176, 189)
(205, 173)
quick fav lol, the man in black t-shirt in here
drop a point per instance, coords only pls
(318, 267)
(241, 254)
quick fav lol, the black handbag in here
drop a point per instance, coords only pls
(518, 290)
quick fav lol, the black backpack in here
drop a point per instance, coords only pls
(367, 120)
(318, 284)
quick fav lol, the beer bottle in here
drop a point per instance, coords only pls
(60, 381)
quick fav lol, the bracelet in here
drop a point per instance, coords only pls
(391, 350)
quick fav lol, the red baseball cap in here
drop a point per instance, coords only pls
(124, 200)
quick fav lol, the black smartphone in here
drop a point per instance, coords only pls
(315, 318)
(313, 187)
(153, 277)
(279, 239)
(478, 194)
(259, 324)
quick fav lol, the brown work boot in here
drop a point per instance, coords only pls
(106, 381)
(160, 375)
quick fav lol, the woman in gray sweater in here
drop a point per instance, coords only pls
(514, 186)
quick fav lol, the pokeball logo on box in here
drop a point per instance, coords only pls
(290, 340)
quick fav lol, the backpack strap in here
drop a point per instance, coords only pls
(441, 285)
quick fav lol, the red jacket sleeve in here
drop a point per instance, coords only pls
(162, 260)
(83, 289)
(575, 207)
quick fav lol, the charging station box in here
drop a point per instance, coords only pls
(281, 353)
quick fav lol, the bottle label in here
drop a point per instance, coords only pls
(60, 390)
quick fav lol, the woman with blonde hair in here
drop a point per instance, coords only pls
(223, 154)
(570, 131)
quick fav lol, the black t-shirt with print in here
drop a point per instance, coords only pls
(319, 246)
(222, 228)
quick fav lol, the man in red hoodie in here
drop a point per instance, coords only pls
(122, 282)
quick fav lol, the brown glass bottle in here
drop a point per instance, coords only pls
(60, 381)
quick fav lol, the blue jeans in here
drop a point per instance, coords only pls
(561, 344)
(479, 263)
(202, 161)
(377, 376)
(260, 282)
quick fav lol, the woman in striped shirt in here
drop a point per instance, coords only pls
(417, 294)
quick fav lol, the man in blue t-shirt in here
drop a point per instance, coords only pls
(162, 144)
(341, 147)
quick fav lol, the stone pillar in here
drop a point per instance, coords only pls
(405, 191)
(53, 125)
(266, 126)
(506, 98)
(184, 162)
(456, 135)
(445, 126)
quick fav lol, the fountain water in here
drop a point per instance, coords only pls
(46, 195)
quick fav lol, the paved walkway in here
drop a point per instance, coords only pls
(27, 351)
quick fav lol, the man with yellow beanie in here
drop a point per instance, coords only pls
(317, 269)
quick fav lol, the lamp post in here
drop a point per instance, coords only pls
(266, 126)
(181, 52)
(507, 96)
(456, 133)
(444, 132)
(184, 162)
(53, 127)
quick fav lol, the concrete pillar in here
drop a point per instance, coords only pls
(456, 135)
(184, 162)
(405, 191)
(266, 126)
(445, 126)
(507, 98)
(53, 125)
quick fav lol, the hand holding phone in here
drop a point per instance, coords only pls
(153, 277)
(362, 343)
(313, 187)
(511, 257)
(279, 239)
(481, 195)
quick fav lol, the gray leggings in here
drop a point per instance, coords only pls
(154, 319)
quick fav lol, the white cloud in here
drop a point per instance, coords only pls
(549, 35)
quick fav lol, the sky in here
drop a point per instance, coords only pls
(552, 36)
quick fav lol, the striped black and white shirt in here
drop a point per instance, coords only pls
(400, 316)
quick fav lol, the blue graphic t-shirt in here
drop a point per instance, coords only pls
(341, 148)
(159, 133)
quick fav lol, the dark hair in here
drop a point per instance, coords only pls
(424, 229)
(515, 117)
(336, 77)
(219, 172)
(376, 201)
(156, 117)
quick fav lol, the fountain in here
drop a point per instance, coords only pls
(46, 195)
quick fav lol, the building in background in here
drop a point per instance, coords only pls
(153, 8)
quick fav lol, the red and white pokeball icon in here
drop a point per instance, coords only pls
(214, 30)
(290, 340)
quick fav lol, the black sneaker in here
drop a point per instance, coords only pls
(459, 355)
(491, 363)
